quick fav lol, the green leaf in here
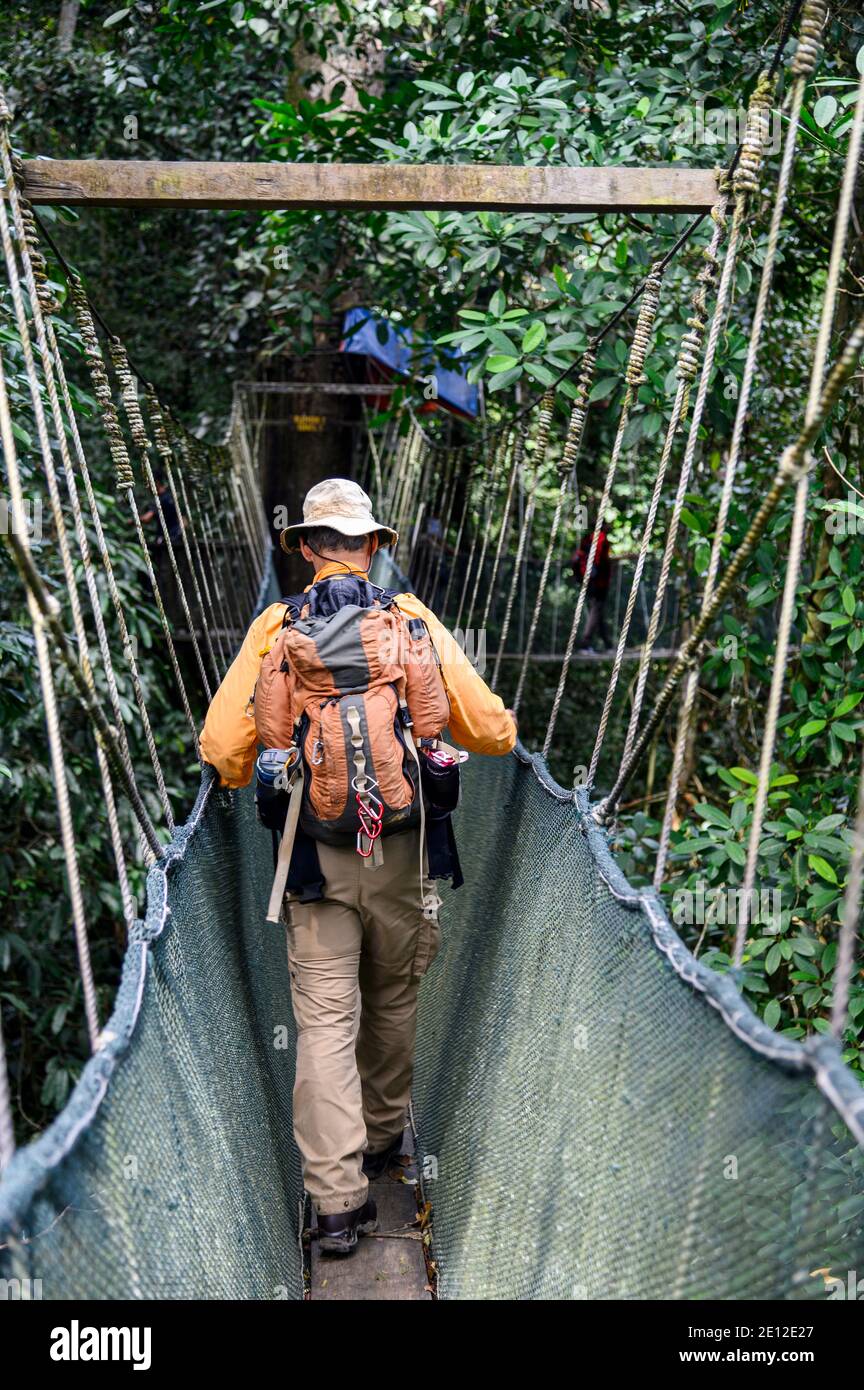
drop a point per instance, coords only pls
(533, 336)
(437, 87)
(116, 17)
(502, 379)
(813, 726)
(744, 775)
(844, 731)
(604, 388)
(822, 867)
(848, 598)
(501, 363)
(501, 342)
(735, 851)
(566, 342)
(771, 1013)
(825, 110)
(713, 815)
(848, 702)
(538, 372)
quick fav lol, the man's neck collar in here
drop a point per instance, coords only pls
(335, 567)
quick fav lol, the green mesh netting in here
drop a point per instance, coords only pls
(596, 1117)
(182, 1180)
(597, 1128)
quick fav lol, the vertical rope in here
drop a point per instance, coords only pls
(428, 556)
(687, 369)
(679, 409)
(104, 555)
(140, 438)
(633, 376)
(745, 183)
(7, 1127)
(52, 721)
(476, 462)
(42, 304)
(241, 571)
(484, 492)
(541, 442)
(844, 968)
(437, 565)
(405, 484)
(765, 285)
(224, 457)
(795, 460)
(516, 448)
(166, 455)
(124, 483)
(566, 469)
(209, 589)
(490, 488)
(799, 520)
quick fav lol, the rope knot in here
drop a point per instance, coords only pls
(809, 48)
(745, 180)
(644, 326)
(129, 395)
(29, 248)
(157, 420)
(101, 385)
(578, 414)
(794, 463)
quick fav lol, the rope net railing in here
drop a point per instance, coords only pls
(598, 1114)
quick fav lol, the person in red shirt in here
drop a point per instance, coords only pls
(598, 586)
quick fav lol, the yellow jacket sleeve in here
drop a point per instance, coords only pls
(478, 718)
(228, 739)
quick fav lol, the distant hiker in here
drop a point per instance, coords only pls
(598, 586)
(159, 557)
(352, 684)
(169, 511)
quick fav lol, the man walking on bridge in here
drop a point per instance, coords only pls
(362, 915)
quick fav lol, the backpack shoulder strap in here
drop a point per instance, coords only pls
(293, 606)
(388, 597)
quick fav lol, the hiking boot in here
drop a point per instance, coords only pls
(338, 1232)
(375, 1165)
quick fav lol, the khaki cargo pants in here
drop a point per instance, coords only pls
(356, 959)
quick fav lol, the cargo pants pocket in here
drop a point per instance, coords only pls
(428, 945)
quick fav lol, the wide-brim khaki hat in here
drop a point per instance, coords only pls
(344, 507)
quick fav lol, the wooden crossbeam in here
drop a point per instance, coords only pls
(507, 188)
(307, 388)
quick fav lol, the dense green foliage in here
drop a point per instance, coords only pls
(594, 82)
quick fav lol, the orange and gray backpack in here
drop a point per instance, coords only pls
(352, 683)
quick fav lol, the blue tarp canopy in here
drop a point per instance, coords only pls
(397, 353)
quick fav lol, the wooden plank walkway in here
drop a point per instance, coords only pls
(387, 1266)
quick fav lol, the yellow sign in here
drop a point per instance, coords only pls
(309, 424)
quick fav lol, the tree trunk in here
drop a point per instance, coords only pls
(67, 24)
